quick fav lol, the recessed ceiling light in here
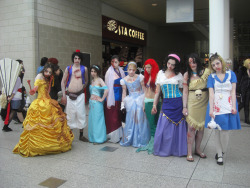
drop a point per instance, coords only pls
(154, 4)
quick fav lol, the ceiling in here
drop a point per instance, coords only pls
(144, 10)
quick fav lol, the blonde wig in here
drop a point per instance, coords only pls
(216, 57)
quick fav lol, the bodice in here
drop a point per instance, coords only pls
(134, 88)
(222, 87)
(171, 91)
(97, 90)
(43, 87)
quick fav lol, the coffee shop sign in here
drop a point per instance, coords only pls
(123, 30)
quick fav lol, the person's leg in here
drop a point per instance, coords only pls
(190, 141)
(81, 116)
(218, 147)
(224, 139)
(20, 116)
(6, 127)
(198, 140)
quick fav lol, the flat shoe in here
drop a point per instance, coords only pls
(220, 162)
(82, 138)
(190, 158)
(201, 155)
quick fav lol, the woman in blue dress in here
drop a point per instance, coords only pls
(136, 131)
(98, 91)
(222, 104)
(171, 131)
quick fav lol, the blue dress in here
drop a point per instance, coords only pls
(136, 131)
(96, 122)
(226, 119)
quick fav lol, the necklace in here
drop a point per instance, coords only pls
(194, 73)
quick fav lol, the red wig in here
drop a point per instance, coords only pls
(154, 71)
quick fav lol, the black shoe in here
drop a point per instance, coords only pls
(220, 162)
(6, 128)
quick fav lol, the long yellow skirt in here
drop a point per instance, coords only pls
(45, 130)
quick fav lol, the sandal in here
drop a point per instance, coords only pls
(190, 158)
(201, 155)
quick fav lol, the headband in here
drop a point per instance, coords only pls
(96, 67)
(132, 62)
(175, 56)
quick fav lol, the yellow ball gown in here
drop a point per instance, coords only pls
(45, 126)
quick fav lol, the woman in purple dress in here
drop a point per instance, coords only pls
(171, 131)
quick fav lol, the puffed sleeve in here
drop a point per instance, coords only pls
(141, 77)
(122, 82)
(158, 77)
(210, 81)
(38, 82)
(180, 80)
(233, 77)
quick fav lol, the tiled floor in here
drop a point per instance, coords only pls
(86, 165)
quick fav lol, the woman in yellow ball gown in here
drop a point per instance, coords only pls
(45, 126)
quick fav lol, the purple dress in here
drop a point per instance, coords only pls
(171, 131)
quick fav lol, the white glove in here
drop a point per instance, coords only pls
(122, 105)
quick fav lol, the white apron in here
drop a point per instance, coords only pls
(222, 96)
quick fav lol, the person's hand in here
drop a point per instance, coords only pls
(64, 100)
(234, 111)
(185, 111)
(211, 113)
(9, 99)
(99, 99)
(154, 110)
(32, 92)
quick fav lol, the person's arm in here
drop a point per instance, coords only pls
(33, 91)
(63, 82)
(86, 78)
(211, 102)
(156, 98)
(105, 91)
(233, 94)
(185, 94)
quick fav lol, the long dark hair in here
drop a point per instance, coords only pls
(197, 60)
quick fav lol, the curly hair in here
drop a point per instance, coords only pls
(153, 74)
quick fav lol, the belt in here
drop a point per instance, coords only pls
(77, 93)
(204, 89)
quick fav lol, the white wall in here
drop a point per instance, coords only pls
(17, 36)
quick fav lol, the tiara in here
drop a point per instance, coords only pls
(132, 62)
(96, 67)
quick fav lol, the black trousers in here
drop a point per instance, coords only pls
(245, 104)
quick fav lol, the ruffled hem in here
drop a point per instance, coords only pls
(198, 126)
